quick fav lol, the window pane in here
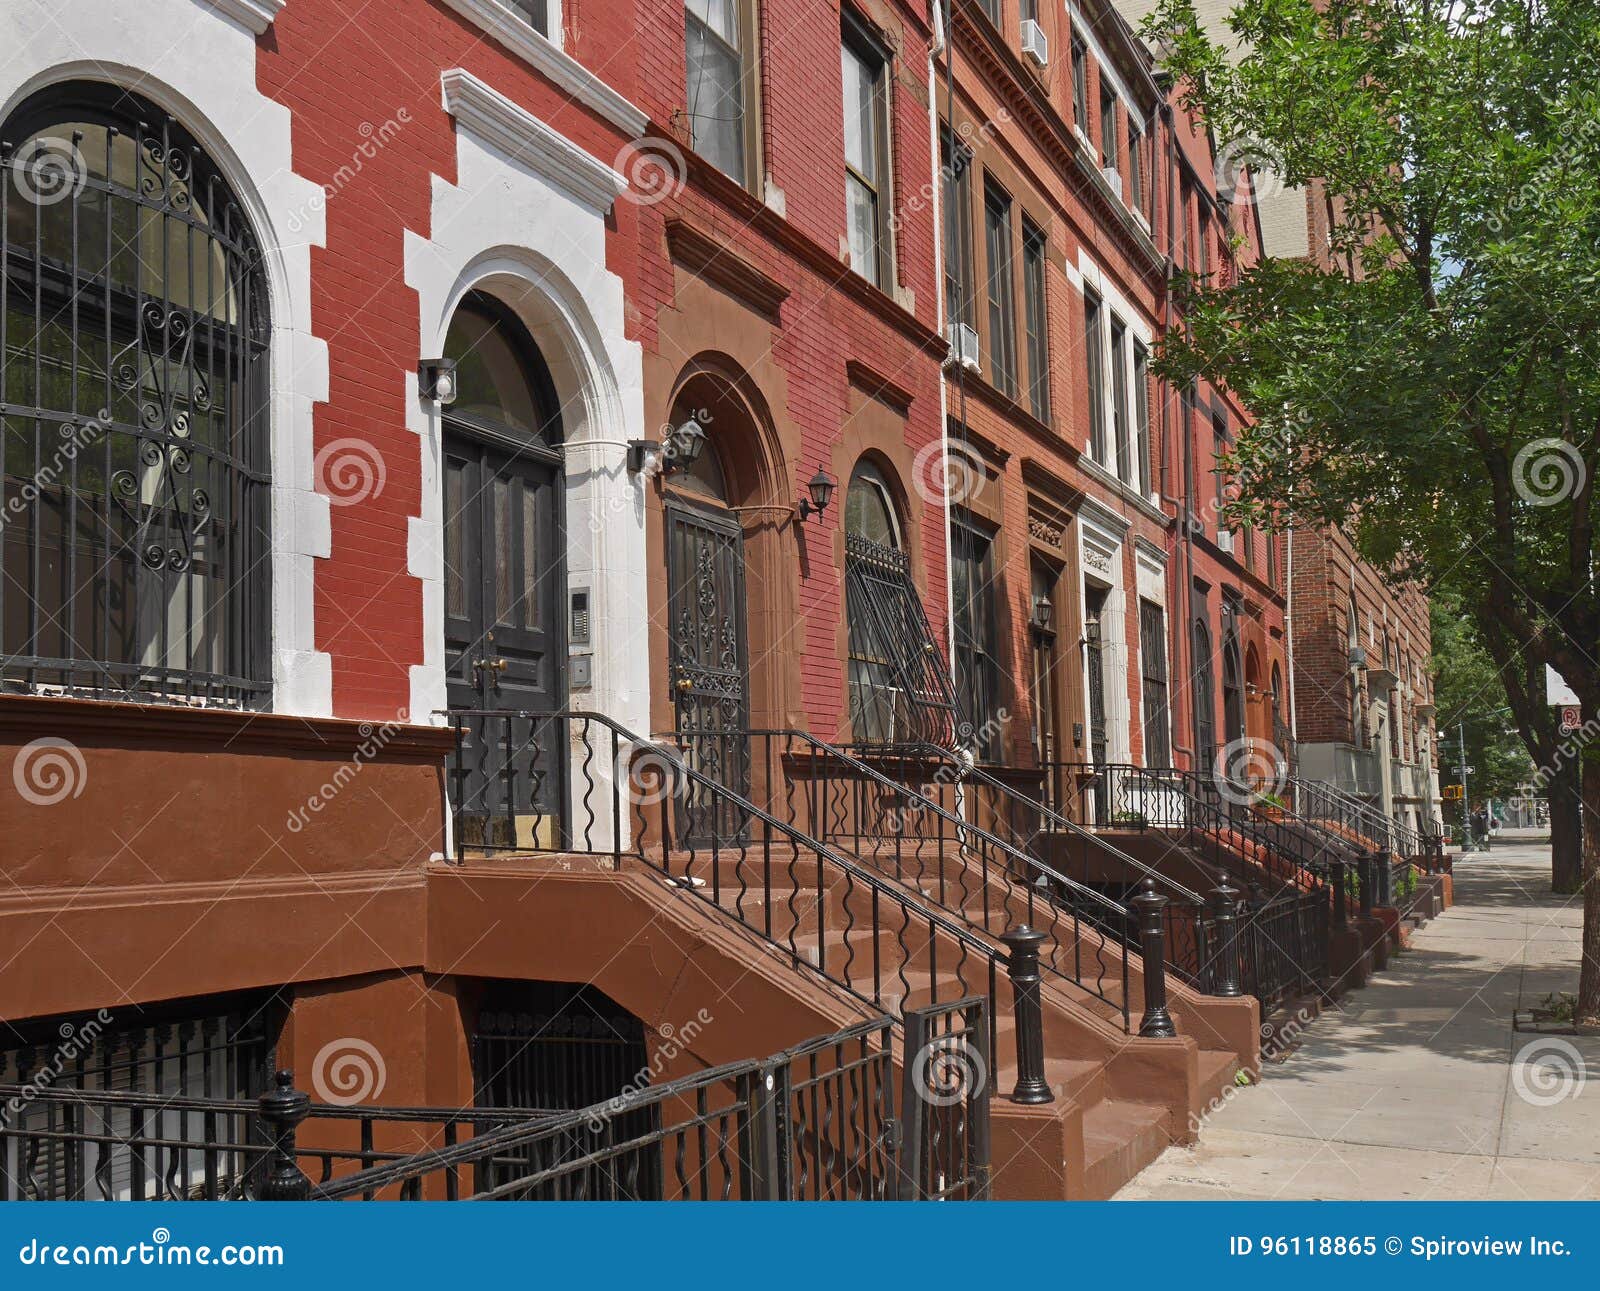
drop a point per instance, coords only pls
(956, 170)
(1097, 378)
(1002, 310)
(1080, 86)
(535, 13)
(1033, 260)
(860, 115)
(1119, 401)
(491, 381)
(721, 16)
(716, 97)
(1141, 412)
(1108, 128)
(863, 214)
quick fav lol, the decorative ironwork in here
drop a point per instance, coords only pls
(815, 1122)
(900, 688)
(710, 668)
(133, 405)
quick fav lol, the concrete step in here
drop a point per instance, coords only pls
(1119, 1140)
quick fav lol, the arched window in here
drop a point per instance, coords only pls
(899, 691)
(135, 480)
(1205, 713)
(1232, 682)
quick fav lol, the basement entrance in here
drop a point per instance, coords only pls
(562, 1047)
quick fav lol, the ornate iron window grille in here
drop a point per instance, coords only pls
(900, 689)
(133, 397)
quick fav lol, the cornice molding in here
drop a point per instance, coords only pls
(701, 254)
(257, 15)
(529, 141)
(552, 62)
(872, 382)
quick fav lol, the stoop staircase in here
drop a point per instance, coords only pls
(1099, 1057)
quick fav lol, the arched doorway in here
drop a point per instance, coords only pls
(504, 578)
(708, 664)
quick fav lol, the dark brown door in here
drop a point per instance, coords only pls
(503, 638)
(709, 665)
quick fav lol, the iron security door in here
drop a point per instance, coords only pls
(709, 663)
(1094, 648)
(503, 637)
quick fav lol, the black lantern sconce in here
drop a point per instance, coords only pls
(1044, 613)
(820, 487)
(436, 381)
(680, 449)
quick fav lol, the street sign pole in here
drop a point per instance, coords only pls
(1466, 795)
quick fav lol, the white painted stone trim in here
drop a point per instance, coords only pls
(201, 66)
(515, 232)
(548, 58)
(257, 15)
(527, 140)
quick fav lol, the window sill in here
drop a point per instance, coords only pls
(1123, 490)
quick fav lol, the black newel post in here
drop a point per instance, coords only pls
(282, 1110)
(1225, 914)
(1152, 908)
(1023, 966)
(1369, 878)
(1341, 894)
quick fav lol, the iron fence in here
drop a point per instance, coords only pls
(623, 801)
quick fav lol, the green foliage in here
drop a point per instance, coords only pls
(1469, 693)
(1434, 386)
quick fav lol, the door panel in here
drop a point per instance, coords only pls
(1094, 646)
(710, 668)
(504, 576)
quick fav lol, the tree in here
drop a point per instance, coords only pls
(1469, 696)
(1433, 381)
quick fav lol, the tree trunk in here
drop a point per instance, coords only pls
(1566, 827)
(1588, 1010)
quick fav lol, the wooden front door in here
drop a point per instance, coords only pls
(504, 639)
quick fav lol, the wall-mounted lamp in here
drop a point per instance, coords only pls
(820, 487)
(436, 381)
(679, 450)
(1043, 613)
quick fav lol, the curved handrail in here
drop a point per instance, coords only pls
(1113, 912)
(910, 905)
(978, 775)
(1043, 868)
(1382, 830)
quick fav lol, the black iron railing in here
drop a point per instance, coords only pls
(629, 799)
(873, 811)
(948, 1071)
(1362, 821)
(815, 1122)
(68, 1144)
(1279, 945)
(1240, 834)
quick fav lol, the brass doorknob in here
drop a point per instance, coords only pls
(684, 683)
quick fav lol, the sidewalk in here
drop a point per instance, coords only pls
(1416, 1087)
